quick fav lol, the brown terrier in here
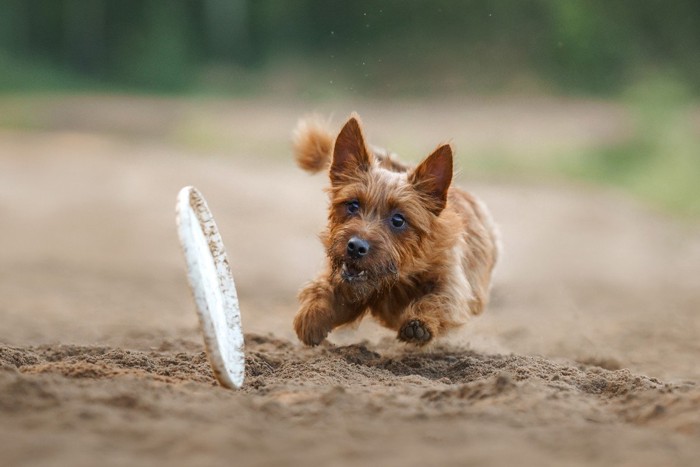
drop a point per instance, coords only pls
(401, 244)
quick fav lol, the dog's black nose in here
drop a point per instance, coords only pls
(357, 248)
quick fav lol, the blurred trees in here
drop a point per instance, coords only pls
(419, 45)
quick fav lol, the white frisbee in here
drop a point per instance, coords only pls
(212, 286)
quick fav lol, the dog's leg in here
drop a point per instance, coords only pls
(426, 319)
(320, 313)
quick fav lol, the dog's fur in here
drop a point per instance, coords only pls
(420, 279)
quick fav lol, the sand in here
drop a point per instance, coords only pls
(587, 355)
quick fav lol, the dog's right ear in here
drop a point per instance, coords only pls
(350, 152)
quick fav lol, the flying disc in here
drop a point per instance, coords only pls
(213, 288)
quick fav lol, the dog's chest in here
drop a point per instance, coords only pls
(390, 303)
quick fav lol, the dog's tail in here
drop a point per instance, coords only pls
(313, 148)
(313, 144)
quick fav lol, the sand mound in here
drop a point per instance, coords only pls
(104, 390)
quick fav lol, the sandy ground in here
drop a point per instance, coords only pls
(587, 355)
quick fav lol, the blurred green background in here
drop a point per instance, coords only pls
(642, 55)
(374, 47)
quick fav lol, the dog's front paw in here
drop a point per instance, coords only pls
(415, 331)
(310, 325)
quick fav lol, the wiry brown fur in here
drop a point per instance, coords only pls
(420, 280)
(313, 144)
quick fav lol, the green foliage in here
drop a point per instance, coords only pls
(661, 161)
(160, 54)
(380, 47)
(33, 73)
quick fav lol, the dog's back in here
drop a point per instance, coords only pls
(313, 148)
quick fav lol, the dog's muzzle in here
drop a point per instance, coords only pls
(351, 273)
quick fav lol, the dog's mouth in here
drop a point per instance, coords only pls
(351, 273)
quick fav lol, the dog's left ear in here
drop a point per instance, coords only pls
(433, 176)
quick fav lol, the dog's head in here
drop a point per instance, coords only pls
(380, 217)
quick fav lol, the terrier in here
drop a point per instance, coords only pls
(401, 243)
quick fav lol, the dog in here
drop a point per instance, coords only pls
(402, 243)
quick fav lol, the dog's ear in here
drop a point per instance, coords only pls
(350, 152)
(433, 176)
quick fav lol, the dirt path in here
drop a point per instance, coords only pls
(588, 354)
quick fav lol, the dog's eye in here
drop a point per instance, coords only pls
(398, 221)
(353, 206)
